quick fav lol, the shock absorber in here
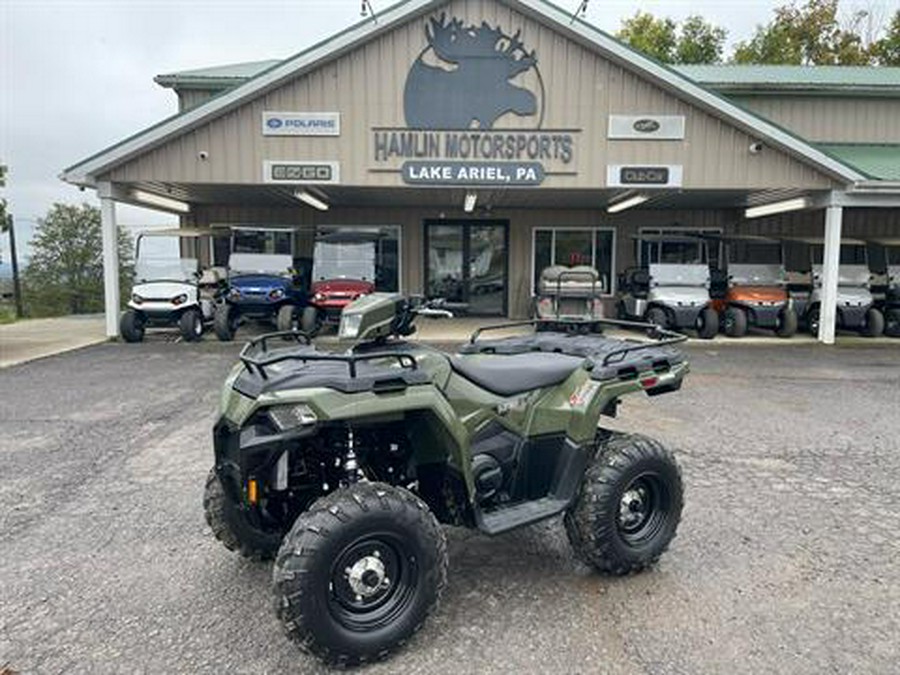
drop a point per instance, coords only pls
(352, 472)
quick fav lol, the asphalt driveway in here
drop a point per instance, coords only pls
(786, 561)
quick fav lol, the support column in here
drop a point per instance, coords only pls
(110, 231)
(834, 216)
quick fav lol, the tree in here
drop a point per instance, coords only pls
(65, 273)
(886, 51)
(807, 34)
(654, 37)
(700, 42)
(2, 200)
(693, 41)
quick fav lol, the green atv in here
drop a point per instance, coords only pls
(342, 466)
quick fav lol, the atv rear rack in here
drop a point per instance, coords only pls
(252, 362)
(666, 337)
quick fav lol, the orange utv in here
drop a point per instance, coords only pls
(752, 289)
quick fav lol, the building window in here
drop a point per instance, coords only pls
(573, 246)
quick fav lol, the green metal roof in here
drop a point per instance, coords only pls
(878, 161)
(217, 76)
(821, 79)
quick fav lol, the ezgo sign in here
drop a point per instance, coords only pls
(301, 124)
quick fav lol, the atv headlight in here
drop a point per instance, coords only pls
(136, 299)
(234, 294)
(319, 297)
(276, 294)
(179, 299)
(350, 324)
(287, 417)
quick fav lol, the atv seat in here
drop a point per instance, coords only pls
(506, 375)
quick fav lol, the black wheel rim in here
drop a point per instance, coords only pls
(644, 507)
(373, 582)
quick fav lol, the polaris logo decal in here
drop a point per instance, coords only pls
(301, 124)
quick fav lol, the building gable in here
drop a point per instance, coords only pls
(403, 105)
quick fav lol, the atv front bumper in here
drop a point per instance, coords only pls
(250, 452)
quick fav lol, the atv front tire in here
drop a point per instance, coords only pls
(131, 325)
(190, 324)
(224, 323)
(231, 525)
(359, 572)
(628, 507)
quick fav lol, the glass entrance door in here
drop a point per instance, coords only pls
(466, 264)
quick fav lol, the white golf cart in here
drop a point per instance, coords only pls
(856, 308)
(671, 287)
(169, 287)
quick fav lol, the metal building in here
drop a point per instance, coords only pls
(484, 139)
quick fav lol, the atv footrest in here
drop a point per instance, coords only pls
(510, 517)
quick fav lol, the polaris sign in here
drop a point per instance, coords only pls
(301, 124)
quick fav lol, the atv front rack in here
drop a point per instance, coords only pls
(662, 336)
(258, 362)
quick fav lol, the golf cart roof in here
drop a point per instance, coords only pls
(726, 238)
(821, 241)
(667, 238)
(886, 241)
(184, 232)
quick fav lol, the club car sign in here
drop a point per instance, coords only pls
(457, 90)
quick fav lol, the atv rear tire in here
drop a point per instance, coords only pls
(131, 325)
(707, 323)
(230, 524)
(787, 323)
(735, 322)
(191, 325)
(874, 325)
(286, 320)
(892, 323)
(224, 323)
(658, 317)
(628, 506)
(359, 572)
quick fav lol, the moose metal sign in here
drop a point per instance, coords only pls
(464, 87)
(475, 83)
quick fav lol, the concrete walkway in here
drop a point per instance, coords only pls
(36, 338)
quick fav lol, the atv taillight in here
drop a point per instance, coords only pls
(649, 382)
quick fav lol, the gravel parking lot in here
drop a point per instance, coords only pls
(786, 561)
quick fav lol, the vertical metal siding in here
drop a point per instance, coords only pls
(834, 119)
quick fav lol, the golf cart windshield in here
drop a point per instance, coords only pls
(674, 252)
(260, 263)
(851, 254)
(159, 259)
(166, 269)
(344, 260)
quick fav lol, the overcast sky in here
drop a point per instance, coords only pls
(77, 75)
